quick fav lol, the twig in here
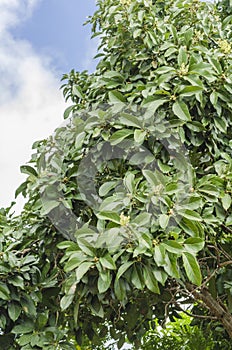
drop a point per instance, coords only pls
(196, 316)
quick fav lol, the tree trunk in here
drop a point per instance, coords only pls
(215, 307)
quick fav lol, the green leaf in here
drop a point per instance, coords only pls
(180, 109)
(182, 56)
(129, 182)
(164, 69)
(226, 201)
(190, 90)
(123, 268)
(17, 281)
(137, 277)
(26, 169)
(23, 328)
(173, 246)
(149, 279)
(4, 292)
(82, 269)
(96, 307)
(113, 75)
(154, 178)
(48, 206)
(21, 189)
(28, 305)
(216, 65)
(120, 135)
(106, 188)
(14, 310)
(25, 339)
(77, 91)
(171, 266)
(130, 120)
(66, 301)
(120, 289)
(110, 216)
(143, 219)
(107, 262)
(67, 245)
(42, 319)
(152, 106)
(139, 136)
(220, 124)
(116, 96)
(104, 281)
(74, 261)
(159, 254)
(163, 220)
(192, 268)
(79, 140)
(190, 214)
(160, 275)
(68, 111)
(201, 68)
(194, 244)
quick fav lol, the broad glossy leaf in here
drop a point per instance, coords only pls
(106, 188)
(149, 279)
(226, 201)
(66, 301)
(182, 56)
(4, 291)
(120, 135)
(163, 220)
(104, 281)
(23, 328)
(68, 111)
(120, 289)
(164, 69)
(192, 268)
(77, 91)
(171, 266)
(173, 246)
(82, 269)
(116, 96)
(14, 310)
(139, 136)
(159, 254)
(27, 169)
(111, 216)
(137, 277)
(107, 262)
(190, 90)
(193, 245)
(190, 214)
(74, 261)
(130, 120)
(123, 268)
(48, 206)
(180, 109)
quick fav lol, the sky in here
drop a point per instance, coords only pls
(40, 40)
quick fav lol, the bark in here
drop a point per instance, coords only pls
(215, 307)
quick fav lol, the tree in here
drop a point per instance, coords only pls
(129, 202)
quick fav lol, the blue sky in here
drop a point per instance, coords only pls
(39, 41)
(56, 29)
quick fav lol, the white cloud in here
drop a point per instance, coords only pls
(31, 105)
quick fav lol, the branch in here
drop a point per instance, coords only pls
(226, 229)
(225, 263)
(216, 309)
(197, 316)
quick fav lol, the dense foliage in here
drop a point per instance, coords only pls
(129, 202)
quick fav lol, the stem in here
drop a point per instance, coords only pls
(220, 312)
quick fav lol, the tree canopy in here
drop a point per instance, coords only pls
(128, 215)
